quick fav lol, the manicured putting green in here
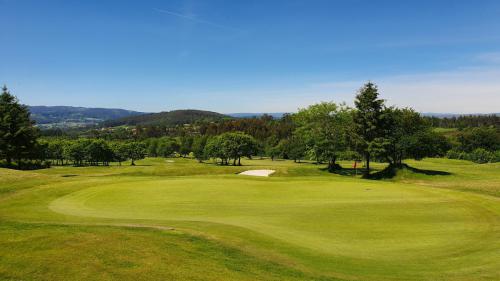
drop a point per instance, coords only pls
(356, 227)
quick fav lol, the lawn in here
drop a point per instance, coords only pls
(178, 219)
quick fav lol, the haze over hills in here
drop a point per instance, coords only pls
(450, 115)
(71, 116)
(257, 114)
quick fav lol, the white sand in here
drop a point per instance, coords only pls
(257, 173)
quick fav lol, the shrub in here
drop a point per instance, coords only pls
(454, 154)
(480, 155)
(496, 157)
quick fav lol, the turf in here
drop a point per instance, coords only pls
(190, 221)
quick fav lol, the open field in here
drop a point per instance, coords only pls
(183, 220)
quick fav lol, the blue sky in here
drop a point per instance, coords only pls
(251, 56)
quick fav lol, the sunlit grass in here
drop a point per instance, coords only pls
(176, 219)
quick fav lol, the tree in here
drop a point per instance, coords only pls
(55, 150)
(120, 152)
(295, 148)
(77, 151)
(237, 145)
(428, 143)
(167, 147)
(398, 134)
(231, 146)
(17, 132)
(199, 144)
(484, 137)
(368, 121)
(136, 151)
(186, 143)
(326, 130)
(152, 144)
(98, 151)
(215, 149)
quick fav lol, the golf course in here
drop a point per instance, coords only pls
(178, 219)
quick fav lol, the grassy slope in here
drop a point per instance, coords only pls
(301, 224)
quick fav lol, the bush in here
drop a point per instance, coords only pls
(454, 154)
(481, 156)
(496, 157)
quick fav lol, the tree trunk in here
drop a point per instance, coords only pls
(239, 161)
(133, 163)
(367, 170)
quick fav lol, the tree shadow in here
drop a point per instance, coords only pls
(391, 171)
(343, 171)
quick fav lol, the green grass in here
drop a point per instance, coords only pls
(184, 220)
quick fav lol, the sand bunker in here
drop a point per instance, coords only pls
(257, 173)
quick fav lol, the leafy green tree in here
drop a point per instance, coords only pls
(428, 143)
(77, 151)
(231, 146)
(215, 149)
(295, 148)
(186, 145)
(98, 151)
(199, 144)
(326, 129)
(167, 147)
(17, 132)
(275, 151)
(237, 145)
(120, 152)
(56, 151)
(487, 138)
(400, 131)
(152, 147)
(368, 122)
(136, 151)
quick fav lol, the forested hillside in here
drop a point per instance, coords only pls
(69, 116)
(174, 117)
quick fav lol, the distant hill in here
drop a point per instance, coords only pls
(168, 118)
(251, 115)
(70, 116)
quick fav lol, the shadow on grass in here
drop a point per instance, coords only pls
(388, 173)
(391, 171)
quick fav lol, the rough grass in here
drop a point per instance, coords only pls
(189, 221)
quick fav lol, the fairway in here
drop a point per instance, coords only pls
(300, 224)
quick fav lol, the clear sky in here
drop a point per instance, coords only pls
(251, 56)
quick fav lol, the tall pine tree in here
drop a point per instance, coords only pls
(368, 121)
(17, 133)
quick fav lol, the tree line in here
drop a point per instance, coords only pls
(90, 152)
(465, 121)
(325, 132)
